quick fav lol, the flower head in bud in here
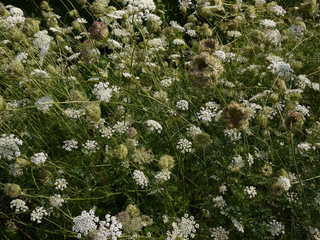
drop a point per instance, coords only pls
(166, 162)
(12, 190)
(236, 116)
(93, 111)
(121, 152)
(99, 30)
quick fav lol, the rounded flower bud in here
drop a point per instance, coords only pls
(77, 95)
(121, 152)
(31, 26)
(166, 162)
(133, 210)
(93, 111)
(132, 132)
(202, 140)
(12, 190)
(22, 162)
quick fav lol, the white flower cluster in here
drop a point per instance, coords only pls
(38, 213)
(237, 225)
(16, 17)
(185, 3)
(184, 145)
(193, 131)
(56, 200)
(305, 147)
(277, 10)
(111, 228)
(9, 146)
(87, 222)
(219, 202)
(303, 109)
(74, 113)
(19, 205)
(268, 23)
(140, 178)
(182, 105)
(61, 184)
(163, 176)
(44, 104)
(250, 191)
(153, 126)
(121, 127)
(208, 112)
(276, 228)
(219, 233)
(284, 183)
(184, 228)
(38, 73)
(315, 233)
(39, 158)
(70, 145)
(142, 5)
(280, 68)
(103, 91)
(166, 82)
(42, 41)
(90, 146)
(273, 36)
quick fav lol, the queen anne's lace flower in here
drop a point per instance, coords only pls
(276, 228)
(182, 105)
(140, 178)
(42, 41)
(61, 184)
(56, 200)
(184, 145)
(9, 146)
(39, 158)
(280, 68)
(19, 205)
(103, 91)
(219, 233)
(183, 228)
(38, 213)
(85, 223)
(154, 126)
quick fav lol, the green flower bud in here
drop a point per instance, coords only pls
(74, 13)
(133, 210)
(132, 132)
(12, 190)
(205, 31)
(82, 2)
(16, 67)
(3, 11)
(22, 162)
(77, 26)
(202, 140)
(99, 7)
(93, 111)
(121, 152)
(45, 6)
(76, 95)
(166, 162)
(31, 26)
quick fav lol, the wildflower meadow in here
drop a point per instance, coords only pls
(159, 120)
